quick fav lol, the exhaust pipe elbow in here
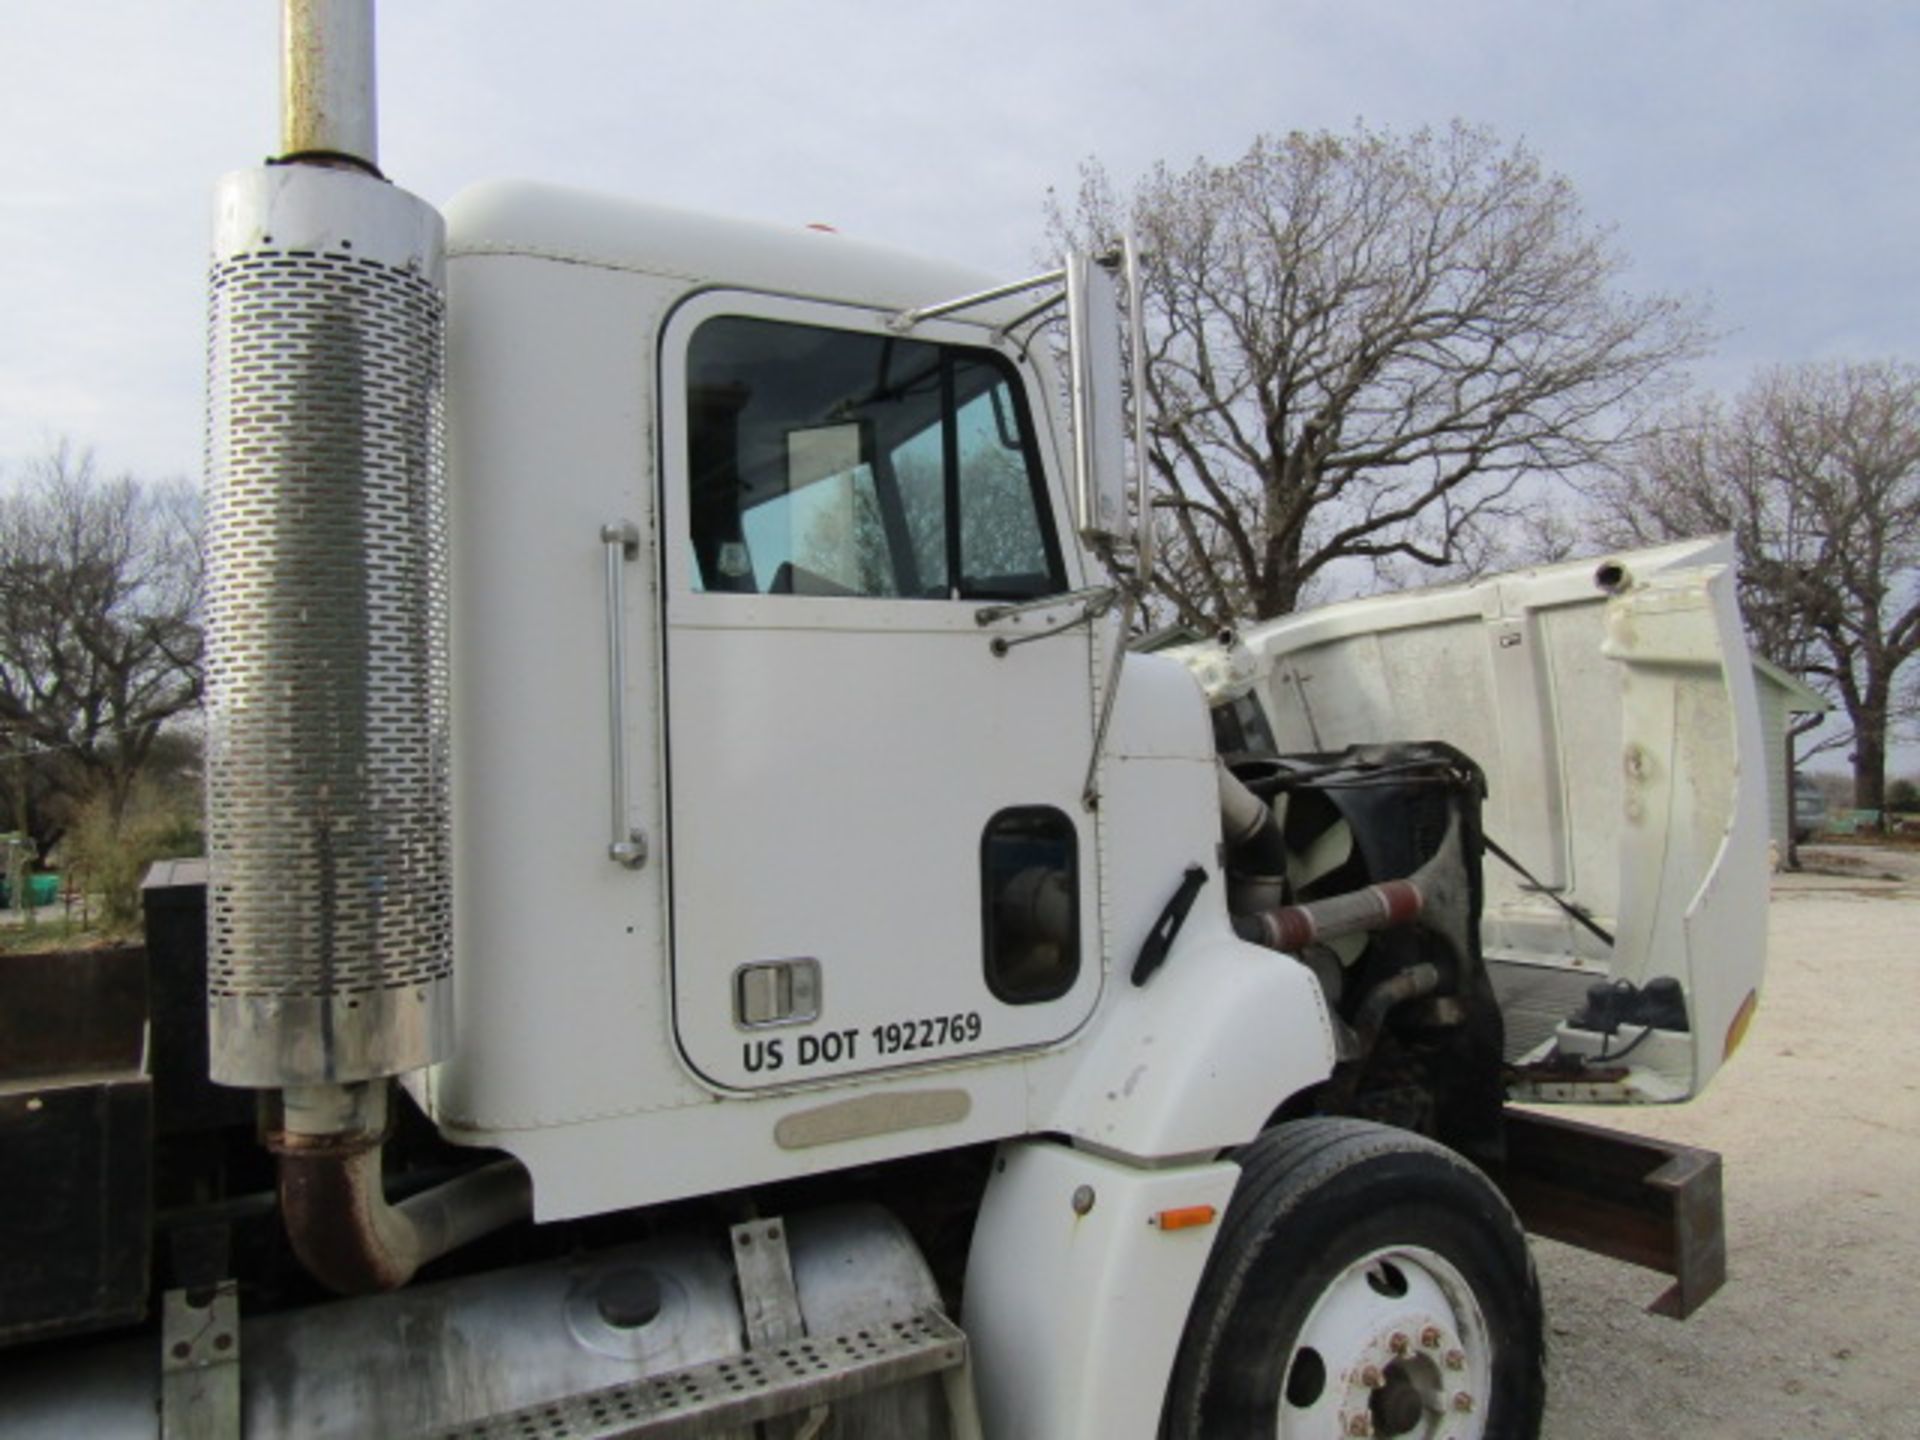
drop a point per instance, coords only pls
(1412, 983)
(334, 1205)
(1249, 828)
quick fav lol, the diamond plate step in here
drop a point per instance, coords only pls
(740, 1390)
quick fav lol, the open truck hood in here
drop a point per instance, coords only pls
(1611, 704)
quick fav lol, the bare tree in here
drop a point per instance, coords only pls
(1358, 345)
(100, 642)
(1815, 470)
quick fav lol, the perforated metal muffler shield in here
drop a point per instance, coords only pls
(330, 908)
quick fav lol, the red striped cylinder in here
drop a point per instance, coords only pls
(1384, 906)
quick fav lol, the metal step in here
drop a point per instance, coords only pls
(725, 1394)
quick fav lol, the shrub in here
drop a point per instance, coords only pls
(109, 856)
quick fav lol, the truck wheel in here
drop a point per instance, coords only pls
(1365, 1281)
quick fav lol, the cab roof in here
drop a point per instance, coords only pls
(514, 217)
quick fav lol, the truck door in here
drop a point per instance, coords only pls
(878, 853)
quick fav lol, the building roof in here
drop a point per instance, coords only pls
(1802, 699)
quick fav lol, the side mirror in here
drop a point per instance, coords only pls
(1099, 388)
(1093, 341)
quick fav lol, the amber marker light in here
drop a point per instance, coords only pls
(1742, 1018)
(1183, 1217)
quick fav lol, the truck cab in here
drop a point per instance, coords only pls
(717, 922)
(861, 695)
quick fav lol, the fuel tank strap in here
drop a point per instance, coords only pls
(200, 1365)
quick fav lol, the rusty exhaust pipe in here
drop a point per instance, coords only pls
(334, 1204)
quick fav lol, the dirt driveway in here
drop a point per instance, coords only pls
(1817, 1332)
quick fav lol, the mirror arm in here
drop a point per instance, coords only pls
(1005, 331)
(905, 320)
(1110, 693)
(1100, 596)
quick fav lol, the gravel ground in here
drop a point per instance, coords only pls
(1818, 1121)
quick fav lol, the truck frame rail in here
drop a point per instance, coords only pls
(1653, 1203)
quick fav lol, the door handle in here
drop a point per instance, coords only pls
(628, 846)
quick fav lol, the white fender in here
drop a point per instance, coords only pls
(1198, 1059)
(1076, 1296)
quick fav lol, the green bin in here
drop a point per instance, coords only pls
(42, 890)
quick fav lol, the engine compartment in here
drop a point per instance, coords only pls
(1377, 849)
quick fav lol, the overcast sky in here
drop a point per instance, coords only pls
(1764, 153)
(1761, 154)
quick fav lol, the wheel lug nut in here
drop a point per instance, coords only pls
(1399, 1344)
(1372, 1378)
(1456, 1360)
(1463, 1402)
(1430, 1337)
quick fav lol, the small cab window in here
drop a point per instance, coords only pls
(1240, 728)
(831, 462)
(1030, 887)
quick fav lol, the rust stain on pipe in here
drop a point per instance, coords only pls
(335, 1209)
(327, 101)
(337, 1215)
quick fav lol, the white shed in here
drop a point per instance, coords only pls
(1781, 695)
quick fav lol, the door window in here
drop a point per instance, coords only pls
(837, 463)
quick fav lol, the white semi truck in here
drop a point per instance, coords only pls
(709, 931)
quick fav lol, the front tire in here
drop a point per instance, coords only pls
(1366, 1281)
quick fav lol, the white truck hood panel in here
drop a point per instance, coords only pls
(1611, 704)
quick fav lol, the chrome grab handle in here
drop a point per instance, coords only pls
(628, 846)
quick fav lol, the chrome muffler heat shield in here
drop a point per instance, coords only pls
(330, 946)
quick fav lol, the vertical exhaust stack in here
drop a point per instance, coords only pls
(328, 765)
(330, 909)
(328, 100)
